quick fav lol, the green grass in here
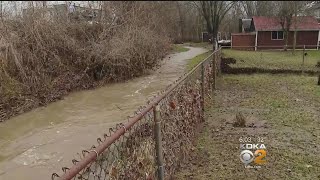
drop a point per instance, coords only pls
(271, 90)
(274, 59)
(179, 48)
(291, 100)
(196, 60)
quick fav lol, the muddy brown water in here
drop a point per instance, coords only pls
(36, 144)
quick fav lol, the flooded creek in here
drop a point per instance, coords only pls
(35, 144)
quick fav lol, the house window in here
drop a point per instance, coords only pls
(277, 35)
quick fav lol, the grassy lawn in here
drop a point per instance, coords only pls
(273, 59)
(179, 48)
(196, 60)
(283, 109)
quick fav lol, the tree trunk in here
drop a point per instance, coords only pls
(181, 22)
(15, 8)
(209, 29)
(294, 40)
(286, 40)
(295, 27)
(215, 38)
(197, 28)
(1, 9)
(206, 15)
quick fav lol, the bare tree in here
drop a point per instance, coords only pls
(288, 18)
(249, 7)
(213, 13)
(181, 21)
(258, 8)
(298, 8)
(231, 21)
(265, 8)
(285, 19)
(193, 21)
(1, 9)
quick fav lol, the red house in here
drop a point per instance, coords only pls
(267, 33)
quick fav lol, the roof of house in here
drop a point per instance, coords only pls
(263, 23)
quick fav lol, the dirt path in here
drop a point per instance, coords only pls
(35, 144)
(281, 109)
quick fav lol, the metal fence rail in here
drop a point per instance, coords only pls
(273, 47)
(153, 142)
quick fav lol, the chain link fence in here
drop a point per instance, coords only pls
(156, 140)
(271, 59)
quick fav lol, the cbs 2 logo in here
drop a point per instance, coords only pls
(246, 156)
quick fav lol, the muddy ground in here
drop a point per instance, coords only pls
(281, 109)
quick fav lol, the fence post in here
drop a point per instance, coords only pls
(214, 71)
(218, 60)
(158, 139)
(202, 88)
(304, 49)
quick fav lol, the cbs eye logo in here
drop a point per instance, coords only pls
(246, 156)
